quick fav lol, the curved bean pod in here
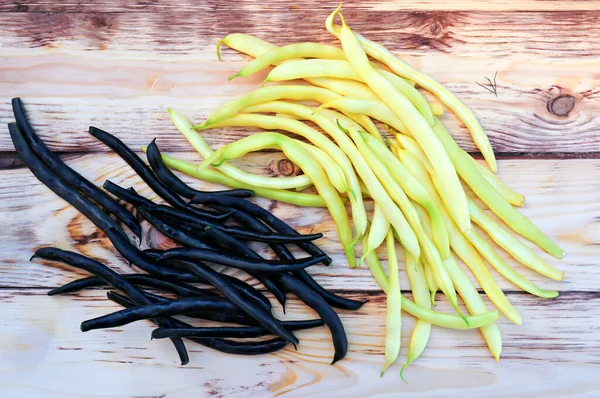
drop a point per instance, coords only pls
(393, 321)
(402, 69)
(103, 221)
(359, 216)
(167, 177)
(180, 288)
(461, 245)
(486, 192)
(422, 330)
(296, 50)
(303, 159)
(68, 175)
(268, 237)
(138, 165)
(98, 269)
(262, 316)
(159, 310)
(520, 251)
(415, 190)
(227, 331)
(415, 123)
(224, 345)
(327, 314)
(201, 146)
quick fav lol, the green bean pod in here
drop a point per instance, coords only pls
(200, 145)
(214, 176)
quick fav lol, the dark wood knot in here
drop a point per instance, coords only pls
(561, 105)
(286, 168)
(435, 28)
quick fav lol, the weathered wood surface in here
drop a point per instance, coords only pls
(119, 64)
(155, 62)
(550, 186)
(47, 356)
(124, 6)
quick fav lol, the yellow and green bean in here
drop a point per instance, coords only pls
(393, 322)
(419, 128)
(383, 55)
(303, 159)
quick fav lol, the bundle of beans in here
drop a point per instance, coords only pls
(428, 194)
(215, 233)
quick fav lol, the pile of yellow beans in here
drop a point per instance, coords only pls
(426, 190)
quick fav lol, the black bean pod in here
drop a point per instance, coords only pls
(161, 309)
(167, 177)
(67, 174)
(266, 266)
(327, 314)
(111, 277)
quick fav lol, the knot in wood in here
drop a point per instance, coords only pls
(435, 28)
(561, 105)
(286, 168)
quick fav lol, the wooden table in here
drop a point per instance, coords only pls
(119, 64)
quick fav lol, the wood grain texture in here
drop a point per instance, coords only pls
(45, 354)
(124, 6)
(155, 63)
(40, 218)
(119, 64)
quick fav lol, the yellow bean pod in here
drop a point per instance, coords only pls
(431, 283)
(486, 192)
(383, 55)
(214, 176)
(359, 215)
(415, 123)
(520, 251)
(374, 109)
(333, 171)
(475, 305)
(422, 330)
(200, 145)
(441, 319)
(342, 69)
(461, 246)
(512, 197)
(308, 68)
(393, 321)
(415, 190)
(376, 190)
(303, 159)
(487, 251)
(414, 221)
(291, 51)
(377, 232)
